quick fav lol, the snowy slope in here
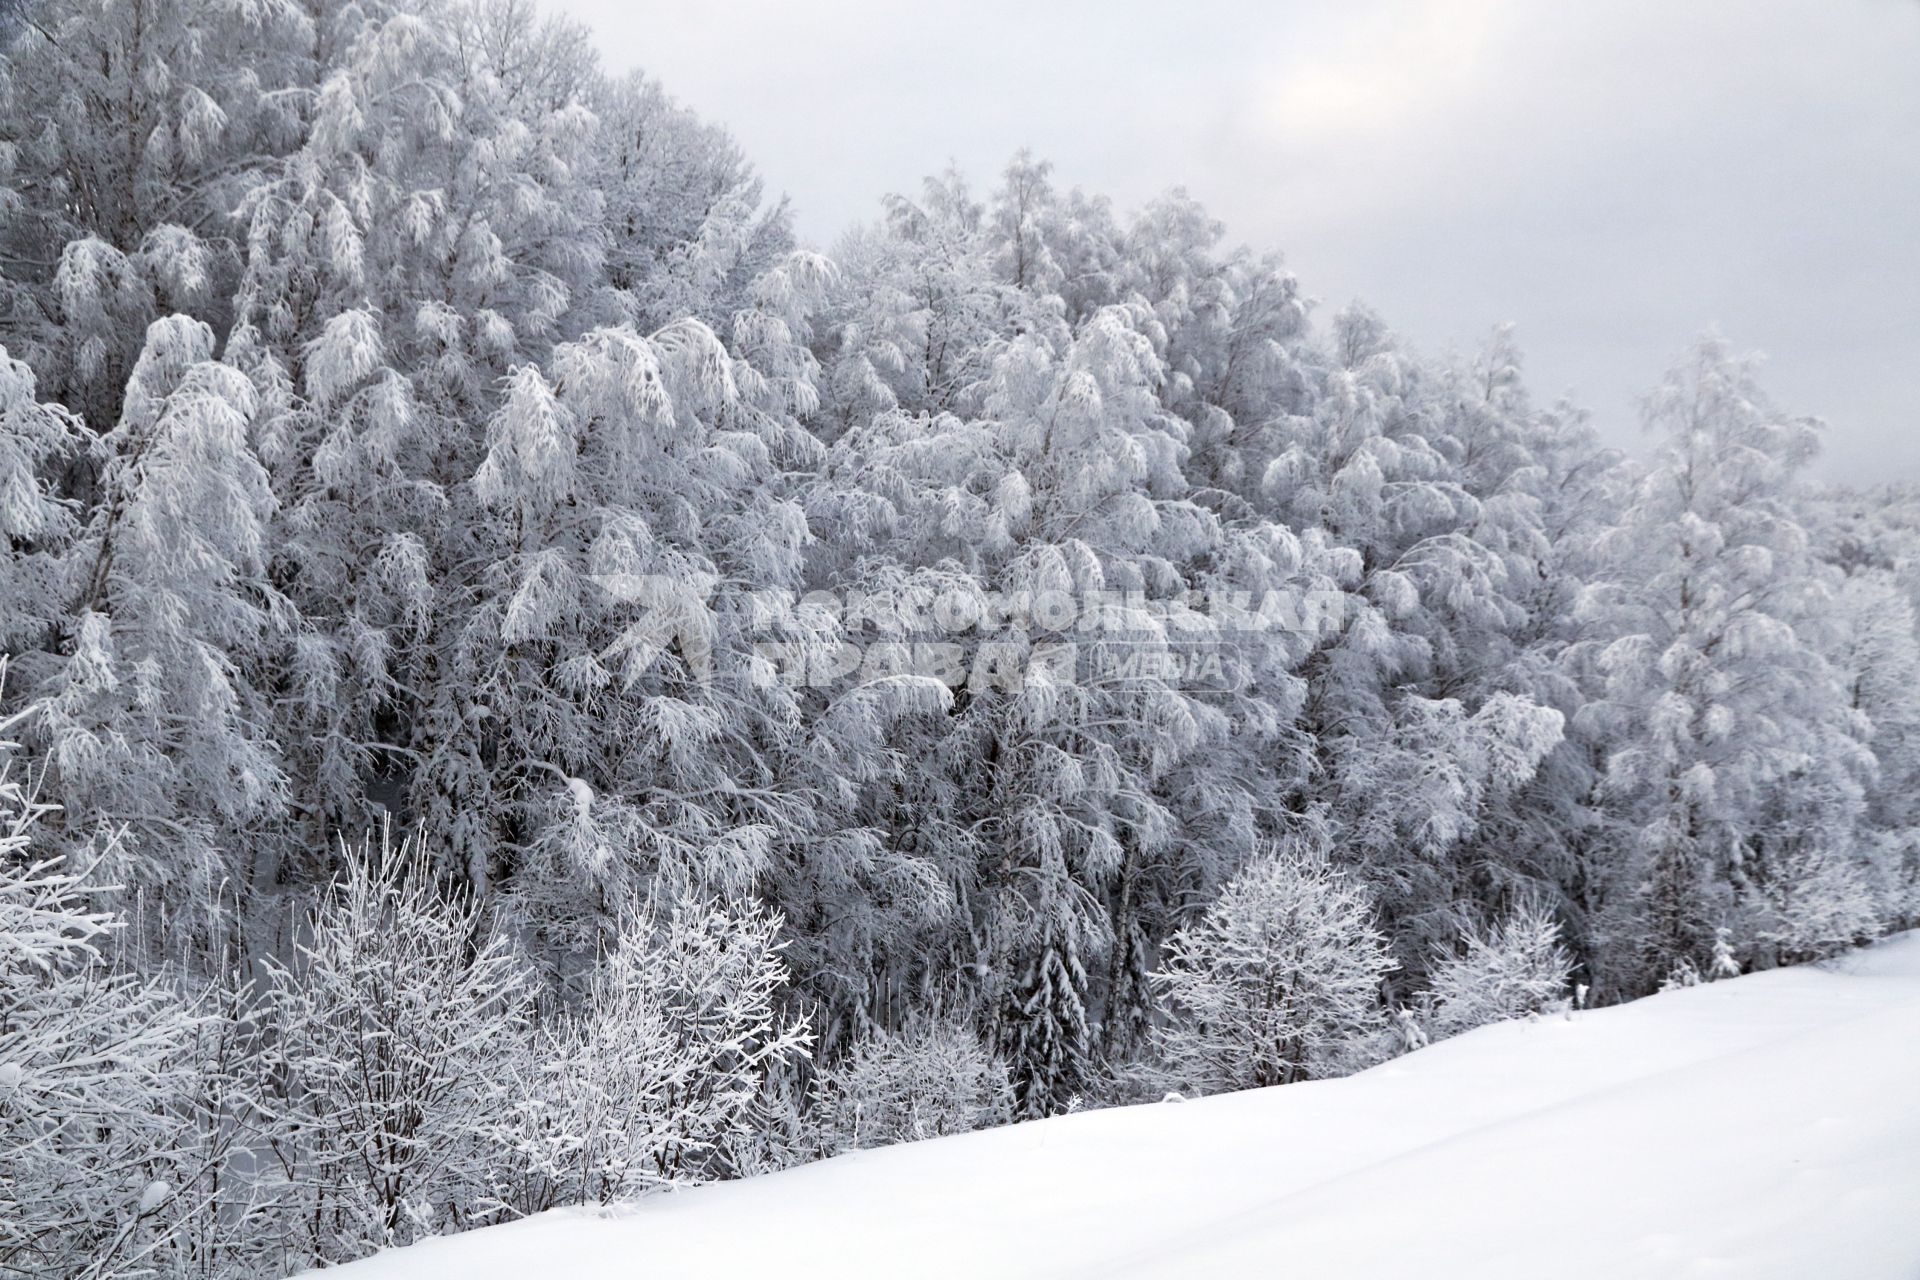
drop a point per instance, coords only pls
(1763, 1127)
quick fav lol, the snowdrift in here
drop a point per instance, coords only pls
(1767, 1126)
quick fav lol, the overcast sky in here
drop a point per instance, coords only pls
(1612, 175)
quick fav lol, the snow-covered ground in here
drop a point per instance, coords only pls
(1767, 1126)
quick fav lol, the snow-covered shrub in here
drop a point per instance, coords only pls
(776, 1130)
(1725, 963)
(1409, 1030)
(1682, 975)
(1283, 971)
(926, 1081)
(1517, 967)
(96, 1071)
(395, 1027)
(227, 1215)
(1819, 904)
(662, 1071)
(1891, 865)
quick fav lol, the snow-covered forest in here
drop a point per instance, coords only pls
(523, 685)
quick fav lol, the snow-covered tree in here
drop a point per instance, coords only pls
(38, 442)
(152, 712)
(1718, 702)
(1423, 722)
(129, 133)
(1873, 643)
(621, 703)
(1282, 972)
(1049, 1041)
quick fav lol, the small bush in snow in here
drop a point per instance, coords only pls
(664, 1070)
(96, 1070)
(1725, 963)
(926, 1081)
(1682, 975)
(1281, 973)
(393, 1027)
(1818, 905)
(1516, 968)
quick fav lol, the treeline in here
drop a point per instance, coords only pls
(803, 679)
